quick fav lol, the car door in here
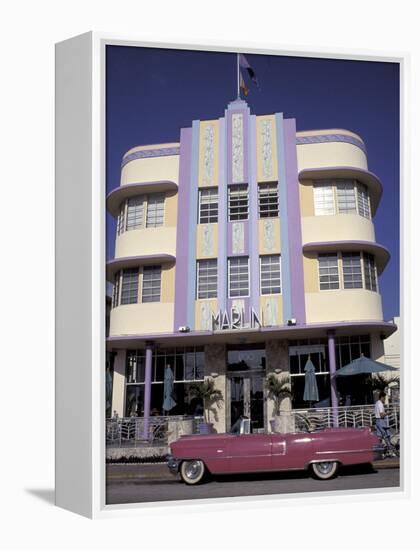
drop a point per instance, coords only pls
(290, 451)
(250, 453)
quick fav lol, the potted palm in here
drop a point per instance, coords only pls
(381, 382)
(210, 396)
(278, 388)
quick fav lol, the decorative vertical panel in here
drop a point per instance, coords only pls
(207, 242)
(269, 238)
(208, 161)
(237, 148)
(238, 238)
(266, 146)
(205, 316)
(239, 305)
(270, 313)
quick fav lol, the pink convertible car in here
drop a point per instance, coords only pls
(322, 452)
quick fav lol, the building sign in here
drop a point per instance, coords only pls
(235, 320)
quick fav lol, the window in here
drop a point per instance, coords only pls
(346, 198)
(155, 205)
(363, 200)
(206, 279)
(352, 270)
(208, 206)
(238, 202)
(328, 271)
(352, 197)
(135, 210)
(238, 277)
(324, 199)
(151, 283)
(116, 290)
(130, 286)
(270, 274)
(268, 200)
(371, 282)
(187, 365)
(121, 219)
(349, 348)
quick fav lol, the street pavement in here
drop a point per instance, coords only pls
(151, 483)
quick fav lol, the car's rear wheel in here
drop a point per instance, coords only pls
(324, 470)
(192, 471)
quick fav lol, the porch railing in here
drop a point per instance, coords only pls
(347, 417)
(129, 432)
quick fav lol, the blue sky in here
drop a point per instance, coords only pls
(152, 93)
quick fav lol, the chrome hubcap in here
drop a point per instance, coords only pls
(325, 467)
(193, 469)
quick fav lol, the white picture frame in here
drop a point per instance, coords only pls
(80, 266)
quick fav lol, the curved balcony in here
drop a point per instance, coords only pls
(146, 242)
(142, 318)
(344, 227)
(381, 253)
(135, 261)
(372, 181)
(118, 195)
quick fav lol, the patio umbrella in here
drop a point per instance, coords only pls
(311, 388)
(168, 390)
(363, 365)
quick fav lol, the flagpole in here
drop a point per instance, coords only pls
(237, 75)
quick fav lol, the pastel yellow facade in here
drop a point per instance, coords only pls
(310, 272)
(168, 283)
(143, 242)
(341, 227)
(330, 306)
(147, 318)
(306, 196)
(145, 170)
(321, 155)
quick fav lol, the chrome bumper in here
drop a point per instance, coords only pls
(173, 464)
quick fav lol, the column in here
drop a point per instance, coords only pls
(331, 357)
(118, 384)
(215, 368)
(147, 388)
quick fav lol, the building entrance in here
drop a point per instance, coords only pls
(245, 386)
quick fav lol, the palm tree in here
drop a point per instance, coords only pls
(208, 393)
(278, 388)
(380, 382)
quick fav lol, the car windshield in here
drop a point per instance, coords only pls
(236, 427)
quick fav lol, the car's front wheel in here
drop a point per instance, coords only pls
(324, 470)
(192, 471)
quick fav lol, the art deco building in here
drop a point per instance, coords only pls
(241, 251)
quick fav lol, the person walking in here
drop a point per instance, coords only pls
(382, 427)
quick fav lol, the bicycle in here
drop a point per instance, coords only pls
(390, 441)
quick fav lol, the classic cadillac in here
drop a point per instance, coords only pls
(321, 452)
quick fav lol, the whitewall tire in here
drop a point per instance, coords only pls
(324, 470)
(192, 471)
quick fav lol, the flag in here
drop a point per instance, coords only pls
(243, 62)
(243, 86)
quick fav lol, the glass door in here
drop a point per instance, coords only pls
(247, 399)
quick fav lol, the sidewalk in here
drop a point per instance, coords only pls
(160, 472)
